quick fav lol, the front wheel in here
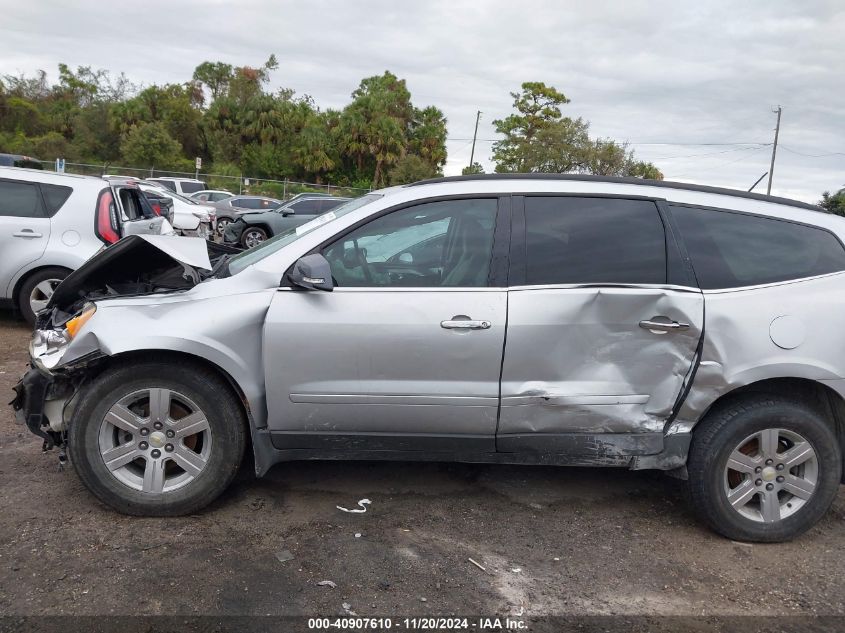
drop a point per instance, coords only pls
(763, 469)
(253, 236)
(155, 439)
(222, 223)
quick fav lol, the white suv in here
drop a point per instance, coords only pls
(50, 224)
(185, 186)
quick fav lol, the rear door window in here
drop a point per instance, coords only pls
(192, 187)
(731, 250)
(572, 240)
(20, 200)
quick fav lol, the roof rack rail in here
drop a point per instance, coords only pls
(624, 181)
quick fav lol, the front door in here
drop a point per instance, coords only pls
(405, 353)
(602, 328)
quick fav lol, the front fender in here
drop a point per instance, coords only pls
(225, 331)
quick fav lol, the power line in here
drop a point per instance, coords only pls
(811, 155)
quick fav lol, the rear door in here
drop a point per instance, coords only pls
(24, 228)
(604, 321)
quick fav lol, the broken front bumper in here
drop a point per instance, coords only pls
(30, 396)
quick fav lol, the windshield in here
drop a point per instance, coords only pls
(274, 244)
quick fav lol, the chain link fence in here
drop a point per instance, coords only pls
(241, 185)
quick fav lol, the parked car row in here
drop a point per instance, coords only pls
(50, 224)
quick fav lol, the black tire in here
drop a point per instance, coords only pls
(254, 230)
(226, 421)
(29, 284)
(724, 429)
(222, 222)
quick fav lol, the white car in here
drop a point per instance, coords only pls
(50, 224)
(211, 195)
(184, 186)
(189, 216)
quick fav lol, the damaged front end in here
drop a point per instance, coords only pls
(137, 265)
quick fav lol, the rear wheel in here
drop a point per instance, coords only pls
(763, 469)
(222, 223)
(253, 236)
(36, 291)
(157, 440)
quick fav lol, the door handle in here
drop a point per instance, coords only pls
(26, 233)
(465, 324)
(661, 327)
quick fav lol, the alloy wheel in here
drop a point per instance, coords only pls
(771, 475)
(253, 238)
(41, 293)
(155, 440)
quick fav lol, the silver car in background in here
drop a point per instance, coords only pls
(51, 223)
(564, 320)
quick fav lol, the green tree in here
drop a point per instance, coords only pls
(411, 168)
(149, 145)
(833, 203)
(473, 169)
(538, 138)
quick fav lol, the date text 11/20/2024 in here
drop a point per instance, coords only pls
(418, 623)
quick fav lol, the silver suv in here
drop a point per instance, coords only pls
(535, 320)
(51, 223)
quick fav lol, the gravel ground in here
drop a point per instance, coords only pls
(552, 540)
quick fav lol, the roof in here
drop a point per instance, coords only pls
(624, 181)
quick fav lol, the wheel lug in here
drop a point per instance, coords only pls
(781, 479)
(759, 482)
(157, 426)
(168, 448)
(155, 454)
(170, 433)
(758, 470)
(780, 466)
(143, 446)
(769, 462)
(145, 431)
(770, 487)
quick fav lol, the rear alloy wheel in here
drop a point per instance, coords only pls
(222, 223)
(763, 469)
(36, 291)
(156, 439)
(253, 236)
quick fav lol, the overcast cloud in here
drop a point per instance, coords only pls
(649, 72)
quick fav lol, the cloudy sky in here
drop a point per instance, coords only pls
(690, 85)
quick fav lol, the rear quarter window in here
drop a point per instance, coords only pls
(54, 197)
(732, 250)
(192, 187)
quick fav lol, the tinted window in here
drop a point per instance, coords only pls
(55, 196)
(435, 244)
(306, 207)
(166, 183)
(593, 240)
(247, 203)
(20, 200)
(729, 250)
(192, 187)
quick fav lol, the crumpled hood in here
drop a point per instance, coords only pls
(137, 265)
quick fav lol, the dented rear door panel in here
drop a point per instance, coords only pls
(578, 361)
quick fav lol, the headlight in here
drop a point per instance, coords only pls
(73, 326)
(48, 346)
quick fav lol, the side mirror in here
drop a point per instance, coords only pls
(312, 272)
(287, 212)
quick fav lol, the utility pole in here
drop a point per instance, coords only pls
(474, 135)
(774, 152)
